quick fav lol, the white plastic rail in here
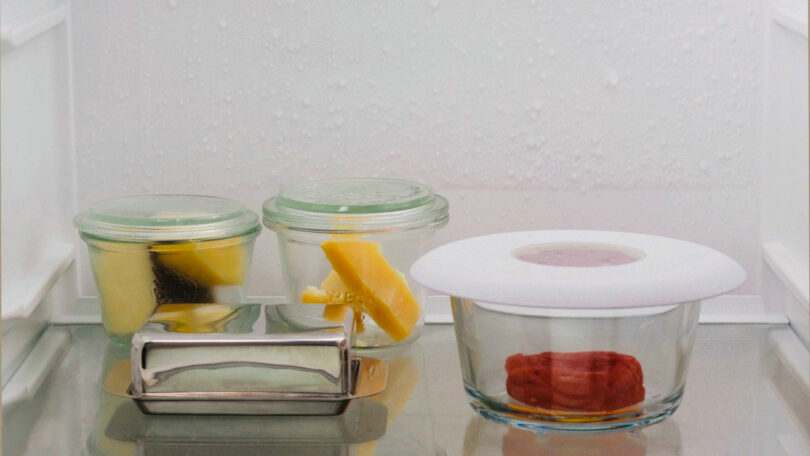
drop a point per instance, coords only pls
(789, 270)
(23, 29)
(24, 296)
(791, 14)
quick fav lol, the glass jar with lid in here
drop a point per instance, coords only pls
(165, 250)
(348, 243)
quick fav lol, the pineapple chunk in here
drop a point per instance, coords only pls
(208, 263)
(125, 282)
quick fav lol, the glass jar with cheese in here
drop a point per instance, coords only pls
(348, 243)
(150, 250)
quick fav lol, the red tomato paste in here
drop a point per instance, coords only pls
(576, 381)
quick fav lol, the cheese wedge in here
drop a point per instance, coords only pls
(332, 293)
(383, 292)
(209, 263)
(337, 298)
(315, 295)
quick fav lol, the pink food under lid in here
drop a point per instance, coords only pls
(577, 257)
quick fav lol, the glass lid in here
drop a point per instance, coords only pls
(355, 204)
(166, 218)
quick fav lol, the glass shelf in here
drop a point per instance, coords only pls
(740, 399)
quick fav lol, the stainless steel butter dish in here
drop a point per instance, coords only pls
(245, 359)
(121, 428)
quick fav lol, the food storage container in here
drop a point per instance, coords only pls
(576, 330)
(162, 249)
(121, 427)
(349, 243)
(244, 359)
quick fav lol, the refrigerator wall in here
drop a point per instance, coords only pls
(529, 115)
(784, 204)
(38, 189)
(681, 119)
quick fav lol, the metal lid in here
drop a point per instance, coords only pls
(237, 348)
(578, 269)
(166, 218)
(355, 205)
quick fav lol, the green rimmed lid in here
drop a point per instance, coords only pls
(145, 218)
(355, 205)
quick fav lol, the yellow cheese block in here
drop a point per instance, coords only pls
(337, 298)
(382, 291)
(208, 263)
(314, 295)
(125, 282)
(335, 312)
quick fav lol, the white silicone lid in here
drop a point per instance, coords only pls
(578, 269)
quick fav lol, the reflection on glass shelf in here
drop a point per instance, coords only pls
(121, 429)
(483, 438)
(740, 400)
(405, 402)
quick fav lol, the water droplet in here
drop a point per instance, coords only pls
(173, 3)
(612, 78)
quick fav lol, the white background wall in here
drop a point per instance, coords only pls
(642, 116)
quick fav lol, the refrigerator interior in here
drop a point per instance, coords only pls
(687, 120)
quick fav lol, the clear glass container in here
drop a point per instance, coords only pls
(583, 331)
(574, 369)
(165, 249)
(349, 243)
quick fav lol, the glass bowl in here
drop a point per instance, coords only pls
(349, 243)
(574, 369)
(576, 331)
(165, 249)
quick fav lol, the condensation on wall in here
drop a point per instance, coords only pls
(634, 115)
